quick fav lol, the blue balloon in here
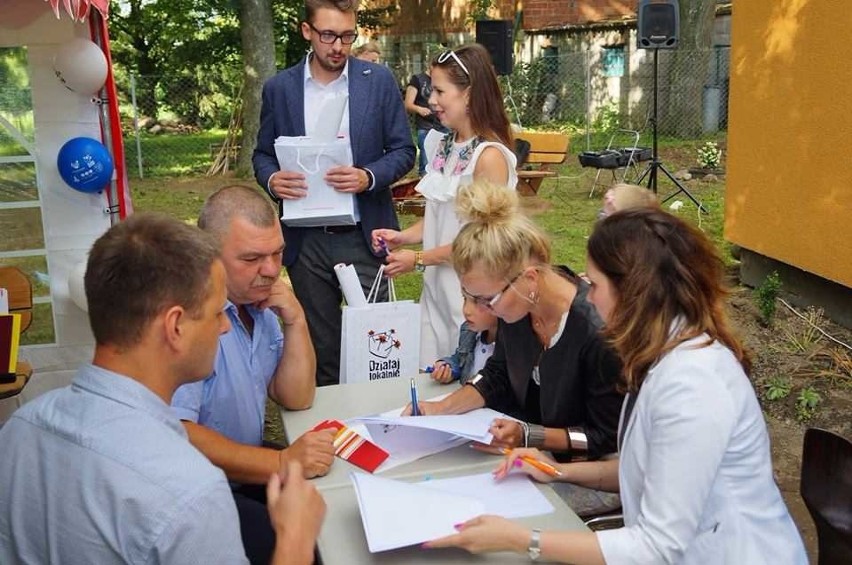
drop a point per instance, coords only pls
(85, 164)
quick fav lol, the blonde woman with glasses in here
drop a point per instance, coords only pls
(550, 368)
(466, 98)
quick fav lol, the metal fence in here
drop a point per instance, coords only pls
(175, 126)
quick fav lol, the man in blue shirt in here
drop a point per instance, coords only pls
(101, 471)
(267, 352)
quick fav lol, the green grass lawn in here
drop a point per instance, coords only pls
(562, 207)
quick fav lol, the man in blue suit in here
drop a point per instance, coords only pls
(376, 125)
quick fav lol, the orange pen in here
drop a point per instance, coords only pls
(540, 465)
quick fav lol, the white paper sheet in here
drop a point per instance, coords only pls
(473, 425)
(408, 438)
(516, 496)
(398, 514)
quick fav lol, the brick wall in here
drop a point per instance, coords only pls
(438, 16)
(539, 14)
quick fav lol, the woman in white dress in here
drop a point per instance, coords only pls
(467, 99)
(694, 468)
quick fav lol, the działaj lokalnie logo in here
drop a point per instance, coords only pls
(384, 354)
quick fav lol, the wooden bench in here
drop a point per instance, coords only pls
(547, 149)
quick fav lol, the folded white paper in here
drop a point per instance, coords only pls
(350, 285)
(398, 514)
(473, 425)
(515, 496)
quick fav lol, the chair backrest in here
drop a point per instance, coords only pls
(548, 148)
(20, 294)
(522, 151)
(826, 488)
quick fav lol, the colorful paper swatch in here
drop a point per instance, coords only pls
(351, 446)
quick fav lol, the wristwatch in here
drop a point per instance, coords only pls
(534, 550)
(418, 262)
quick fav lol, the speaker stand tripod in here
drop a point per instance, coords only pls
(655, 164)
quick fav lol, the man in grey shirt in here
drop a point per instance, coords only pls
(101, 471)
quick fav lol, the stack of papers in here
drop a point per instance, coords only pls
(409, 438)
(473, 425)
(398, 514)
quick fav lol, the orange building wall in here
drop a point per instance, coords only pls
(789, 161)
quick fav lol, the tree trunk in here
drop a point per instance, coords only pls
(688, 68)
(258, 43)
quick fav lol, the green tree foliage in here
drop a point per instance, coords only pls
(192, 57)
(15, 95)
(190, 53)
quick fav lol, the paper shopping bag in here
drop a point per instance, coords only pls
(323, 206)
(380, 340)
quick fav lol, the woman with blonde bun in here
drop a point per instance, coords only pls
(550, 367)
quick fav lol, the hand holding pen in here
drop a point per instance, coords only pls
(532, 462)
(384, 240)
(415, 410)
(441, 372)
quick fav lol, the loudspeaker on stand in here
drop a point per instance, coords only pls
(658, 24)
(496, 37)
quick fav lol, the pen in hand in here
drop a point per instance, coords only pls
(415, 411)
(546, 468)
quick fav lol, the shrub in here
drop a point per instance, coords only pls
(766, 295)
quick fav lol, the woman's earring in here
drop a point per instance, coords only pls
(533, 299)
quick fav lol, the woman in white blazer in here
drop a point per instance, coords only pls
(694, 468)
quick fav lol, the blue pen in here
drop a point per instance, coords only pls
(384, 245)
(414, 410)
(431, 369)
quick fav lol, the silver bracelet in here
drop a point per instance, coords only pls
(526, 429)
(536, 436)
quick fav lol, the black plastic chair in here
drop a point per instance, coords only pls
(826, 488)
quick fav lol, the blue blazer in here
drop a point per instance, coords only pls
(378, 128)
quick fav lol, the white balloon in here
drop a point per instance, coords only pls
(81, 66)
(76, 286)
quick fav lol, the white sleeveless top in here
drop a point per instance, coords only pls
(447, 169)
(458, 164)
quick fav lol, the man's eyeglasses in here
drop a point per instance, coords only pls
(447, 55)
(489, 302)
(329, 37)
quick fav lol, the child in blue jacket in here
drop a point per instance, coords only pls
(476, 344)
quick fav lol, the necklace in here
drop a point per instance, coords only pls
(445, 149)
